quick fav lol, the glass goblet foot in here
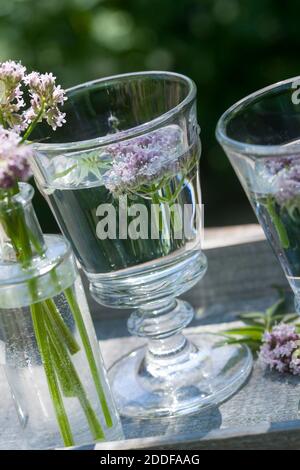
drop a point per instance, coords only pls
(175, 374)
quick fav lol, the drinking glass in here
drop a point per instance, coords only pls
(261, 137)
(122, 178)
(49, 351)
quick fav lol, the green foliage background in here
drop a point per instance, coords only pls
(229, 47)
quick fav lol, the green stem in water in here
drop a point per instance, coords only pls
(44, 348)
(70, 380)
(171, 197)
(61, 328)
(89, 353)
(14, 224)
(61, 174)
(278, 224)
(58, 332)
(17, 230)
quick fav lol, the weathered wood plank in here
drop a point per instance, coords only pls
(260, 437)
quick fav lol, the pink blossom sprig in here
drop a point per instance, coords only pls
(144, 160)
(282, 176)
(288, 184)
(11, 95)
(14, 159)
(281, 349)
(46, 99)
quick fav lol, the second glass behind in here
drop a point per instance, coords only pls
(261, 135)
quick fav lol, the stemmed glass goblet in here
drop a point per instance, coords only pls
(122, 178)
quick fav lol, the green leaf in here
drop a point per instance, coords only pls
(285, 318)
(252, 315)
(253, 332)
(84, 171)
(96, 172)
(253, 318)
(254, 345)
(258, 323)
(276, 308)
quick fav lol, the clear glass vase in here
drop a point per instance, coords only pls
(51, 357)
(122, 178)
(261, 137)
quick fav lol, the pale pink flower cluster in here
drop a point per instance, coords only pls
(11, 94)
(144, 160)
(282, 175)
(14, 159)
(45, 98)
(281, 349)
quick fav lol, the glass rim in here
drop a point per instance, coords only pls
(128, 133)
(253, 149)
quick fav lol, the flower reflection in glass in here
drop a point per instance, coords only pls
(278, 209)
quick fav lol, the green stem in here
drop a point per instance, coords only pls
(61, 328)
(89, 354)
(42, 341)
(176, 214)
(67, 372)
(165, 248)
(50, 329)
(67, 385)
(13, 220)
(171, 197)
(179, 188)
(35, 243)
(278, 224)
(32, 126)
(156, 202)
(61, 174)
(2, 122)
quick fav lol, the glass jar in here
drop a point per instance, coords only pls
(51, 356)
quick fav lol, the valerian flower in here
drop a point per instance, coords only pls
(288, 184)
(11, 94)
(274, 165)
(14, 159)
(279, 176)
(45, 98)
(281, 349)
(144, 160)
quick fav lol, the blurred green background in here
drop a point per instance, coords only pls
(229, 47)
